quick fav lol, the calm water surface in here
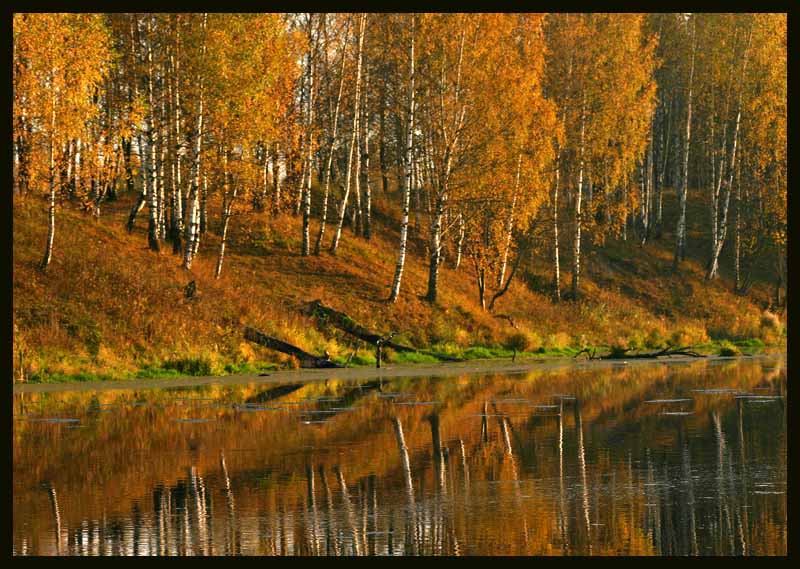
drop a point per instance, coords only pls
(662, 459)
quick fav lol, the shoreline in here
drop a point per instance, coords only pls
(362, 373)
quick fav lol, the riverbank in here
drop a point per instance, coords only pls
(363, 373)
(127, 316)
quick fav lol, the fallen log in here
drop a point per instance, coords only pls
(306, 360)
(346, 324)
(623, 354)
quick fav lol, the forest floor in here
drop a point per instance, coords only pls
(108, 308)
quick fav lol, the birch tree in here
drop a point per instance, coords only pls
(401, 257)
(60, 62)
(348, 174)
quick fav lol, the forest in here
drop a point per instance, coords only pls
(527, 182)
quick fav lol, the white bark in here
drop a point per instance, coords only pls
(576, 262)
(680, 233)
(307, 193)
(325, 197)
(509, 225)
(401, 257)
(193, 228)
(338, 232)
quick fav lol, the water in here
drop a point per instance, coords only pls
(661, 459)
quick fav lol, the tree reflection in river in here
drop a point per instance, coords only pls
(670, 459)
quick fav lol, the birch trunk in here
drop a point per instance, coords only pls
(307, 193)
(435, 248)
(680, 232)
(459, 241)
(152, 227)
(227, 208)
(204, 204)
(367, 222)
(332, 149)
(443, 181)
(193, 229)
(357, 211)
(51, 215)
(338, 233)
(509, 225)
(556, 268)
(177, 188)
(276, 182)
(401, 257)
(719, 236)
(576, 262)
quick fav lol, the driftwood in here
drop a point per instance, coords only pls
(623, 354)
(346, 324)
(306, 360)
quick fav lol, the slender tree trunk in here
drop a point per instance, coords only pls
(276, 181)
(401, 257)
(509, 225)
(436, 248)
(193, 229)
(680, 232)
(556, 268)
(141, 201)
(331, 151)
(177, 191)
(51, 217)
(382, 141)
(462, 232)
(737, 284)
(576, 262)
(153, 225)
(338, 233)
(719, 238)
(365, 162)
(357, 212)
(227, 208)
(307, 194)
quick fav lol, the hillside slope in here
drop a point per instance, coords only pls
(109, 307)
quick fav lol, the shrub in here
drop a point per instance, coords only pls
(516, 342)
(688, 335)
(557, 341)
(655, 339)
(191, 366)
(772, 321)
(728, 349)
(619, 347)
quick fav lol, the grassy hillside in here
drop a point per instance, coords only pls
(109, 307)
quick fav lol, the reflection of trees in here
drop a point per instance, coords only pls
(288, 507)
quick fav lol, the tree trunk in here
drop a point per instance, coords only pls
(338, 233)
(460, 240)
(367, 221)
(227, 208)
(680, 232)
(719, 238)
(152, 227)
(401, 257)
(329, 162)
(276, 182)
(51, 217)
(307, 194)
(509, 225)
(193, 229)
(435, 249)
(576, 262)
(556, 268)
(177, 187)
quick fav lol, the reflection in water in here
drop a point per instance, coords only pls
(677, 459)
